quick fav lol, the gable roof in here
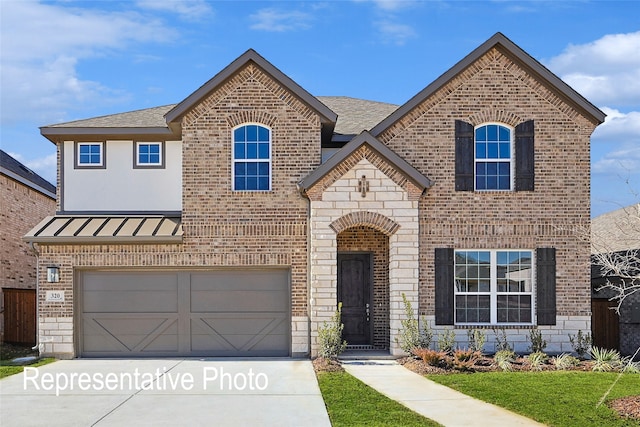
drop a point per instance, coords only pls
(515, 53)
(327, 117)
(365, 138)
(17, 171)
(356, 115)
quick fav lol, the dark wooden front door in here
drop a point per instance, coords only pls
(605, 324)
(354, 291)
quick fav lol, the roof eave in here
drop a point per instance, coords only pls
(514, 51)
(326, 115)
(56, 134)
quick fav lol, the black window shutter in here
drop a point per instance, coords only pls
(546, 285)
(464, 156)
(525, 156)
(444, 286)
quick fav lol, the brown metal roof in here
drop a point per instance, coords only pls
(107, 229)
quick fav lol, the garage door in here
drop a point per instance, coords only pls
(209, 313)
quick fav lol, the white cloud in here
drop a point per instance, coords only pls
(42, 45)
(624, 161)
(280, 21)
(618, 126)
(389, 5)
(605, 71)
(394, 33)
(621, 133)
(192, 10)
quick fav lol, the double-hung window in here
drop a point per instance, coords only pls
(493, 287)
(493, 157)
(252, 158)
(89, 155)
(149, 155)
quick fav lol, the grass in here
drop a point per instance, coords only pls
(7, 370)
(350, 402)
(12, 351)
(560, 399)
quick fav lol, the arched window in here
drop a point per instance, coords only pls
(251, 158)
(493, 157)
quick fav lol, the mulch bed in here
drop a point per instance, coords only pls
(627, 407)
(320, 364)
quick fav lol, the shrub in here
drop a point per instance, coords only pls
(605, 360)
(501, 340)
(537, 343)
(537, 360)
(629, 366)
(581, 343)
(504, 359)
(465, 360)
(564, 361)
(411, 337)
(330, 336)
(477, 338)
(446, 341)
(431, 357)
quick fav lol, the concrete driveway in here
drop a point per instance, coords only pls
(164, 392)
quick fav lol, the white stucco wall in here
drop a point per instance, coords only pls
(121, 187)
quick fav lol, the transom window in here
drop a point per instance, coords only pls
(493, 157)
(89, 154)
(252, 158)
(493, 287)
(149, 154)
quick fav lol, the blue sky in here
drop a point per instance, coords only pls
(68, 60)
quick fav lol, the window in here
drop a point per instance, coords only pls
(493, 287)
(252, 158)
(149, 155)
(493, 151)
(89, 155)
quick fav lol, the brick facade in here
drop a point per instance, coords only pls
(21, 208)
(396, 219)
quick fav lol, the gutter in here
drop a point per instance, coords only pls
(32, 246)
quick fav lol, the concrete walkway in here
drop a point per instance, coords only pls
(164, 392)
(439, 403)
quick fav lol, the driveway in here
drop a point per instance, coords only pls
(164, 392)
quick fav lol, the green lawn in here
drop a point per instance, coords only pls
(350, 402)
(560, 399)
(6, 370)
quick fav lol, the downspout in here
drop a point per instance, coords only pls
(303, 194)
(35, 251)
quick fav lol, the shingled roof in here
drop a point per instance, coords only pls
(17, 171)
(616, 231)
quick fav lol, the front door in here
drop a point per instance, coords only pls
(354, 291)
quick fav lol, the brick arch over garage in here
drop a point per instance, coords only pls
(371, 219)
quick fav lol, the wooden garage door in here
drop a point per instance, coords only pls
(208, 313)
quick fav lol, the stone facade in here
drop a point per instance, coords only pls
(21, 208)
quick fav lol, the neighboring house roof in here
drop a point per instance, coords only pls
(107, 229)
(365, 138)
(356, 115)
(616, 231)
(506, 46)
(17, 171)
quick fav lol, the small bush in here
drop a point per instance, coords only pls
(537, 343)
(431, 357)
(564, 361)
(477, 339)
(501, 340)
(537, 360)
(581, 343)
(465, 360)
(605, 360)
(330, 336)
(629, 366)
(446, 341)
(504, 359)
(411, 337)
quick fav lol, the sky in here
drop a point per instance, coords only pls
(68, 60)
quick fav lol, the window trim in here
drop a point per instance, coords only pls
(493, 292)
(138, 165)
(103, 155)
(234, 160)
(512, 168)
